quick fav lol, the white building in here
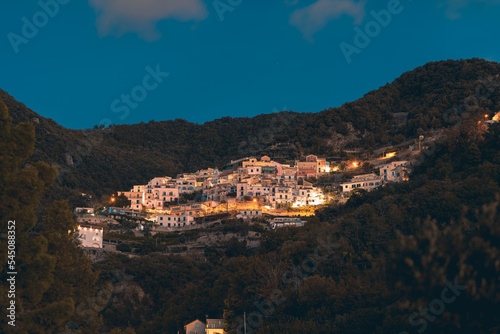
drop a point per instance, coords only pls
(90, 236)
(249, 214)
(215, 326)
(309, 195)
(173, 220)
(365, 181)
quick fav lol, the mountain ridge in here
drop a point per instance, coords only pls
(102, 161)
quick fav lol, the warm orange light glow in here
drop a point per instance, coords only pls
(485, 116)
(255, 199)
(112, 199)
(390, 155)
(355, 164)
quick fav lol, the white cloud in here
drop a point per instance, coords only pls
(454, 7)
(116, 17)
(311, 19)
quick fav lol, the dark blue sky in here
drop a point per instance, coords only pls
(89, 62)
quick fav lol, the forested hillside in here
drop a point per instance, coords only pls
(370, 266)
(106, 160)
(418, 256)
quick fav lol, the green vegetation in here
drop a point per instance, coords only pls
(379, 259)
(49, 264)
(396, 249)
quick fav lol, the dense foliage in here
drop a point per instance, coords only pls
(370, 266)
(49, 264)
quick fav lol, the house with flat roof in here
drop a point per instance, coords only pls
(365, 181)
(90, 236)
(215, 326)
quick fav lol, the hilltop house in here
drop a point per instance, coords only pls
(322, 165)
(90, 236)
(215, 326)
(365, 181)
(175, 220)
(195, 327)
(249, 214)
(395, 171)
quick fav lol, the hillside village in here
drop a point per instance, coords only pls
(251, 188)
(299, 236)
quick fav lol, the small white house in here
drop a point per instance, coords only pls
(90, 236)
(365, 181)
(249, 214)
(172, 220)
(215, 326)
